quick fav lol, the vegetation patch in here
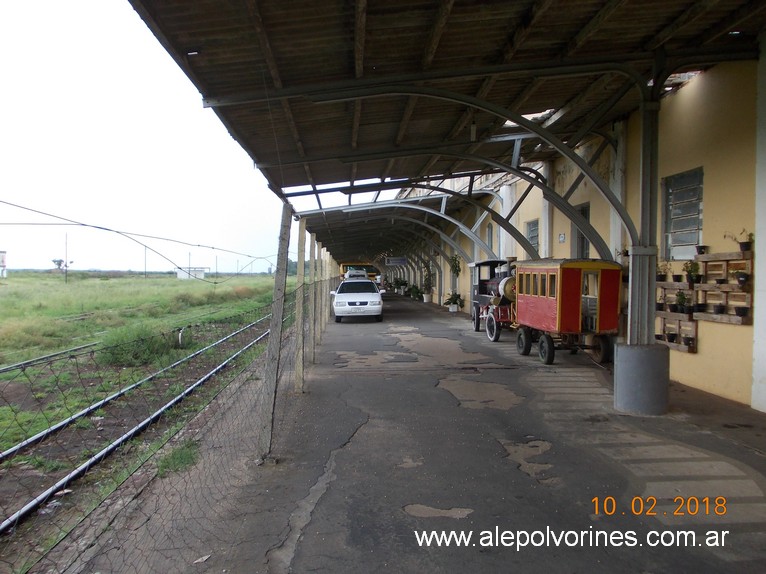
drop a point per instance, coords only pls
(179, 458)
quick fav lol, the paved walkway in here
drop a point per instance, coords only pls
(419, 425)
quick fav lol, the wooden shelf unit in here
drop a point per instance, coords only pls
(730, 294)
(682, 324)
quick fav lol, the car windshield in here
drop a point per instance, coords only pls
(357, 287)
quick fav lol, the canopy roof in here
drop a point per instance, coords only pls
(327, 95)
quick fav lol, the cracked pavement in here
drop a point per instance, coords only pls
(418, 424)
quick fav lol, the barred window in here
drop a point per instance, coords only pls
(683, 214)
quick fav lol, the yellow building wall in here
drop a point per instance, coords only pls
(564, 175)
(710, 122)
(529, 210)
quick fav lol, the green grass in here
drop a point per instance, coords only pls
(40, 313)
(179, 458)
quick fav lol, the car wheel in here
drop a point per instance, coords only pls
(493, 328)
(524, 341)
(547, 352)
(476, 318)
(378, 318)
(337, 319)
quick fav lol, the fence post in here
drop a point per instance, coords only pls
(299, 306)
(312, 298)
(273, 351)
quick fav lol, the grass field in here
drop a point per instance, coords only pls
(41, 313)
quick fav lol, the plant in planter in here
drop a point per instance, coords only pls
(692, 270)
(741, 311)
(681, 300)
(415, 292)
(744, 239)
(688, 341)
(671, 337)
(427, 284)
(454, 301)
(660, 304)
(741, 277)
(719, 309)
(701, 249)
(454, 265)
(663, 268)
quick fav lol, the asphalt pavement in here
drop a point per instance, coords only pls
(421, 446)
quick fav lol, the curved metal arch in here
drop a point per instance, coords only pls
(559, 202)
(496, 217)
(465, 230)
(446, 238)
(504, 113)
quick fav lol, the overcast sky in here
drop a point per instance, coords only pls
(99, 126)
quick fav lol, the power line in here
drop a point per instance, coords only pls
(132, 237)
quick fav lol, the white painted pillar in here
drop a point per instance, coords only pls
(506, 244)
(758, 398)
(617, 184)
(546, 217)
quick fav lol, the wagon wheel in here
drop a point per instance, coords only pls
(476, 318)
(493, 328)
(524, 341)
(601, 349)
(545, 346)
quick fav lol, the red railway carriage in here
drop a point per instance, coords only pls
(560, 303)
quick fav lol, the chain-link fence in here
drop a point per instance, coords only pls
(115, 456)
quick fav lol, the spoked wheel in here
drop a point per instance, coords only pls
(476, 318)
(601, 349)
(493, 328)
(545, 346)
(524, 341)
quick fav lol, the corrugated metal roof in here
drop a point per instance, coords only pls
(313, 90)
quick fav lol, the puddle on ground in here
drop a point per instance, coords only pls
(422, 511)
(475, 395)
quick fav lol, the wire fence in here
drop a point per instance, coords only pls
(114, 457)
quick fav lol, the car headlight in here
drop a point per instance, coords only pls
(376, 303)
(339, 303)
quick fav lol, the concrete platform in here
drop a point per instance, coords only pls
(419, 425)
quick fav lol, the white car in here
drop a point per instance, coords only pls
(357, 297)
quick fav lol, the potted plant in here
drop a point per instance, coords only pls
(692, 270)
(744, 239)
(681, 300)
(660, 303)
(687, 340)
(741, 311)
(454, 302)
(671, 337)
(741, 277)
(427, 284)
(663, 268)
(454, 265)
(719, 308)
(415, 292)
(701, 249)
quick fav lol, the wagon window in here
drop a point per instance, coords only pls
(534, 283)
(552, 285)
(543, 285)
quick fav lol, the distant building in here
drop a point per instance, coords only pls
(191, 272)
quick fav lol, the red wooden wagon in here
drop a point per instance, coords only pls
(560, 303)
